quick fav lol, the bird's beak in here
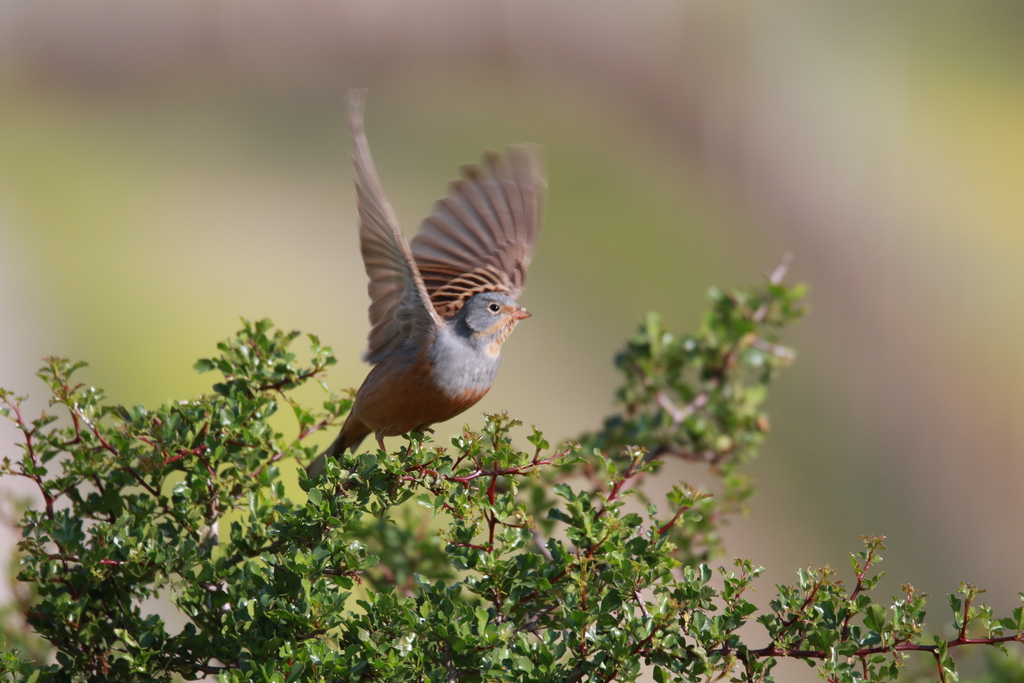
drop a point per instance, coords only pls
(520, 314)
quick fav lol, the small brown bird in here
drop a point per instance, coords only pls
(442, 306)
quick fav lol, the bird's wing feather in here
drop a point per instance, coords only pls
(481, 236)
(400, 306)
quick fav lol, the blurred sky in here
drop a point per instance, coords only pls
(168, 166)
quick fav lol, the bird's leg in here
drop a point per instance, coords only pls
(380, 442)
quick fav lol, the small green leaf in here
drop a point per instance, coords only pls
(204, 365)
(874, 618)
(316, 497)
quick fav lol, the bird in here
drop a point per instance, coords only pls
(443, 304)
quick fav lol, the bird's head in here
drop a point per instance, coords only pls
(488, 318)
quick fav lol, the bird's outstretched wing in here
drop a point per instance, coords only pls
(400, 307)
(481, 236)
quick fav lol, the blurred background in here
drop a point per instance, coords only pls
(169, 166)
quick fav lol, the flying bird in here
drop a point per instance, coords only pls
(442, 305)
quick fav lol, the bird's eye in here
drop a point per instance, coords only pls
(493, 308)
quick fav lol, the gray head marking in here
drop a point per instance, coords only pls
(482, 311)
(487, 318)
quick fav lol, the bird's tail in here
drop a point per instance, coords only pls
(352, 434)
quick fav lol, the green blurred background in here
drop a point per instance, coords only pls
(168, 166)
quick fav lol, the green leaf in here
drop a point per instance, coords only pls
(204, 365)
(315, 497)
(874, 618)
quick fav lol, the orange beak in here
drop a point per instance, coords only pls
(520, 314)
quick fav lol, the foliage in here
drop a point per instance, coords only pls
(472, 561)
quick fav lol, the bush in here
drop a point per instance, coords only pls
(540, 565)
